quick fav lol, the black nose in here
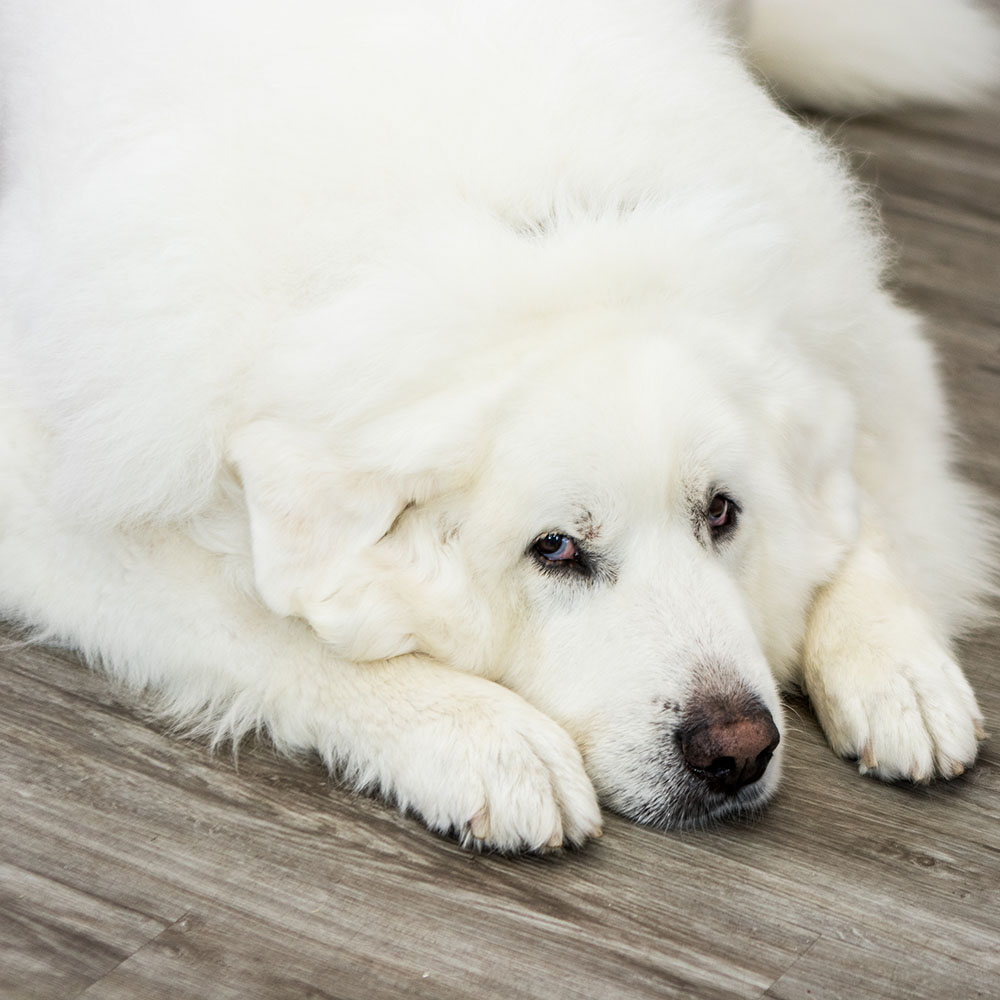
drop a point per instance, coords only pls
(728, 743)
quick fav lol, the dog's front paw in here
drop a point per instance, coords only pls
(502, 776)
(898, 703)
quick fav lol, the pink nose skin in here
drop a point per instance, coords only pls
(728, 744)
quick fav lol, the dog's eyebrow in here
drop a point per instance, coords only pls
(588, 527)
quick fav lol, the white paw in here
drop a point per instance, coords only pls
(897, 702)
(500, 775)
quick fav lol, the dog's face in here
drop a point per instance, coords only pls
(622, 528)
(628, 552)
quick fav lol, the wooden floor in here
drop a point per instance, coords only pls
(136, 867)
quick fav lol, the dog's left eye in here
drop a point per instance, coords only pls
(556, 548)
(721, 514)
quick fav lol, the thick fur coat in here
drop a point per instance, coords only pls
(498, 399)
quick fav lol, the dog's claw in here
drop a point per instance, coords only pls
(479, 825)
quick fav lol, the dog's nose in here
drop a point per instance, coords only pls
(728, 746)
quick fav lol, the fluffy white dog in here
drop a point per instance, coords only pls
(497, 399)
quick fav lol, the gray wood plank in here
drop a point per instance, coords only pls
(841, 967)
(55, 940)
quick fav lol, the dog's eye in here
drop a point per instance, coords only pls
(721, 514)
(556, 548)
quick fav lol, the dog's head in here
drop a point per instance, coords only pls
(622, 529)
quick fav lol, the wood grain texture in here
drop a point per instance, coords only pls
(134, 865)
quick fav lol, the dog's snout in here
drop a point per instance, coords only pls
(728, 745)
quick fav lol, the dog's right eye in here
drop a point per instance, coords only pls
(556, 548)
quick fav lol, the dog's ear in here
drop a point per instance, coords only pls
(316, 519)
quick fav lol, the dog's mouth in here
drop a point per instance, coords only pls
(748, 804)
(691, 806)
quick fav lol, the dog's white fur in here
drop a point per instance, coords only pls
(315, 316)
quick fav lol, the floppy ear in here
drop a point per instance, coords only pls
(314, 526)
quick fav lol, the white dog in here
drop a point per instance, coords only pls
(498, 399)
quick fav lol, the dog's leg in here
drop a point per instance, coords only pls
(157, 610)
(884, 685)
(470, 757)
(877, 661)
